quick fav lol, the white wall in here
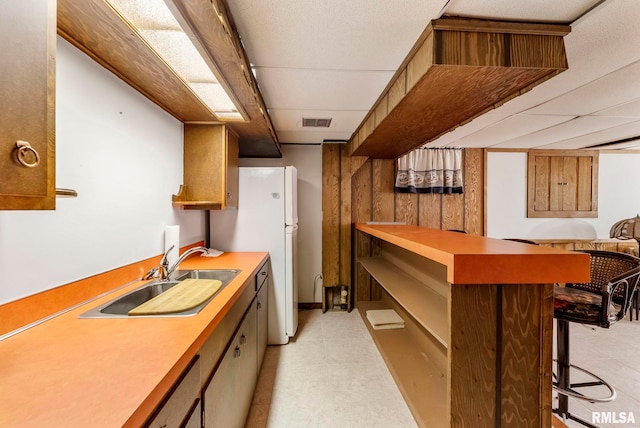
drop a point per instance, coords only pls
(308, 160)
(618, 198)
(123, 155)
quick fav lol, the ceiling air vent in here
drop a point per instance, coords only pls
(316, 123)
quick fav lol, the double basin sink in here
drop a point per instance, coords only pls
(120, 306)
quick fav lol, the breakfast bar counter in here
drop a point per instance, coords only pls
(476, 349)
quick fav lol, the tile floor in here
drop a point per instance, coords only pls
(614, 355)
(332, 375)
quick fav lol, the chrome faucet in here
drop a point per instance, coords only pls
(165, 270)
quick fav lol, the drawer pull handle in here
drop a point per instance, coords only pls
(236, 354)
(243, 339)
(24, 152)
(259, 305)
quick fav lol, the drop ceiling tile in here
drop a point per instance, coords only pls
(605, 40)
(510, 128)
(571, 129)
(341, 121)
(331, 34)
(285, 88)
(615, 133)
(613, 89)
(480, 122)
(524, 10)
(631, 109)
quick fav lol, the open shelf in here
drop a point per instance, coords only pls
(426, 399)
(423, 303)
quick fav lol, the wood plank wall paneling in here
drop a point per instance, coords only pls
(361, 183)
(622, 246)
(330, 213)
(474, 191)
(452, 212)
(345, 219)
(383, 204)
(430, 210)
(472, 367)
(525, 370)
(358, 189)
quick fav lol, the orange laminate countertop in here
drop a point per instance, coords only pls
(72, 372)
(472, 259)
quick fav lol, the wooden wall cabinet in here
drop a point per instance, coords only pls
(210, 168)
(27, 113)
(562, 183)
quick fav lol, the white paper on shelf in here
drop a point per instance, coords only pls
(383, 319)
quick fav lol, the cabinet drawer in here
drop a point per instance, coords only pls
(179, 407)
(262, 275)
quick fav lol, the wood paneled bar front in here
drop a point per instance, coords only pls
(476, 350)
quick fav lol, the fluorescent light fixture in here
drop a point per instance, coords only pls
(154, 22)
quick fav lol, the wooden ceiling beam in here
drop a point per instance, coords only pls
(457, 70)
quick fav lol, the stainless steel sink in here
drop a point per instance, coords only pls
(224, 275)
(120, 306)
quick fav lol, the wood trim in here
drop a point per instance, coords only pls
(27, 310)
(509, 27)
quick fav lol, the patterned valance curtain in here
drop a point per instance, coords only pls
(430, 170)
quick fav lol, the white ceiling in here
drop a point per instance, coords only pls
(333, 58)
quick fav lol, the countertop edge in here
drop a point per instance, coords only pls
(472, 259)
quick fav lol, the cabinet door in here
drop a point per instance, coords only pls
(182, 407)
(232, 169)
(27, 112)
(262, 322)
(210, 168)
(562, 183)
(228, 396)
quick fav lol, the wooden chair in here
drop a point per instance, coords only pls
(601, 302)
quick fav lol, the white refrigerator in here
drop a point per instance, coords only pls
(266, 220)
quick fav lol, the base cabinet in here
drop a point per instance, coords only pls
(217, 388)
(227, 398)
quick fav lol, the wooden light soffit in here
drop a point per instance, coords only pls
(457, 70)
(94, 28)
